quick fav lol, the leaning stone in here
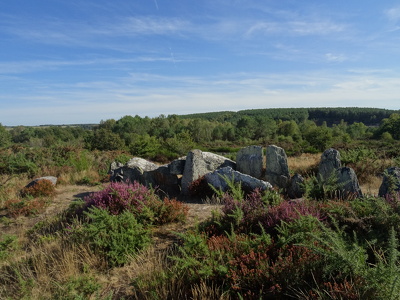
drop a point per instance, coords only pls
(295, 188)
(249, 160)
(52, 179)
(277, 170)
(218, 180)
(348, 183)
(199, 163)
(391, 183)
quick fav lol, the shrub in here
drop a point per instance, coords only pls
(169, 210)
(42, 188)
(118, 197)
(147, 207)
(263, 210)
(8, 243)
(25, 207)
(114, 236)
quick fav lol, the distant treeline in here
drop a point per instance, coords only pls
(350, 115)
(164, 138)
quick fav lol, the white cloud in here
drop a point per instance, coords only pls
(393, 14)
(152, 95)
(335, 57)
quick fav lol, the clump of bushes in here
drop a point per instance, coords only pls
(41, 188)
(117, 220)
(262, 246)
(141, 201)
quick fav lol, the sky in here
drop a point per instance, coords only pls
(84, 61)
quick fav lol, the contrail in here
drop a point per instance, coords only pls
(155, 2)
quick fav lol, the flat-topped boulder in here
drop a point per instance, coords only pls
(199, 163)
(132, 171)
(218, 179)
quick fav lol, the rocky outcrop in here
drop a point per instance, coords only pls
(199, 163)
(249, 160)
(330, 162)
(277, 170)
(390, 181)
(348, 183)
(218, 179)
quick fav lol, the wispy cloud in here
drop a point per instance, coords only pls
(301, 28)
(393, 14)
(335, 57)
(15, 67)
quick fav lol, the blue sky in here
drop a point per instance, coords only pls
(83, 61)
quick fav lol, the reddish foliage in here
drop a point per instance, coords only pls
(41, 188)
(267, 273)
(200, 188)
(343, 290)
(171, 210)
(17, 208)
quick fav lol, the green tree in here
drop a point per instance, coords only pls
(144, 146)
(104, 139)
(390, 125)
(357, 130)
(318, 137)
(5, 136)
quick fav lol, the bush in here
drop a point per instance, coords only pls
(25, 207)
(147, 207)
(41, 188)
(118, 197)
(8, 243)
(114, 236)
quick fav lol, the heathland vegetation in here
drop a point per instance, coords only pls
(253, 245)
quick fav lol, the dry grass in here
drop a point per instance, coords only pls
(304, 163)
(45, 268)
(371, 186)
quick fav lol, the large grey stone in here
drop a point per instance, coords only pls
(330, 162)
(161, 178)
(295, 189)
(219, 177)
(249, 160)
(52, 179)
(132, 171)
(177, 166)
(199, 163)
(348, 183)
(390, 183)
(277, 170)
